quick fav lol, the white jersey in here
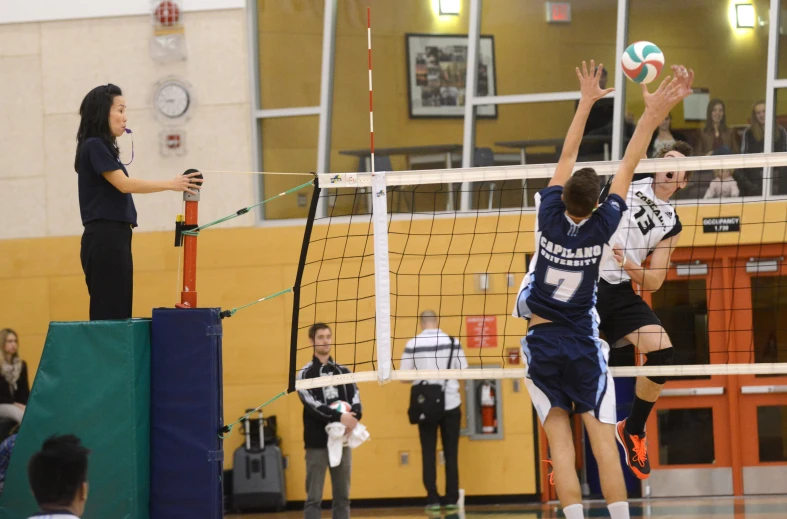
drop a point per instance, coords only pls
(430, 350)
(645, 223)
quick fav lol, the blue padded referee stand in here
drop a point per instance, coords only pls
(186, 455)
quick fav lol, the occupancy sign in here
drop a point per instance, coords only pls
(723, 224)
(481, 331)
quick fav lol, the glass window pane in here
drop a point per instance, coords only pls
(718, 184)
(682, 307)
(678, 433)
(533, 144)
(533, 56)
(418, 60)
(289, 145)
(769, 318)
(692, 33)
(778, 176)
(772, 433)
(290, 53)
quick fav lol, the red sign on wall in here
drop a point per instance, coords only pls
(558, 12)
(481, 331)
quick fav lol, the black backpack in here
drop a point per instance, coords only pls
(427, 401)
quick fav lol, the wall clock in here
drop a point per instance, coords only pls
(172, 99)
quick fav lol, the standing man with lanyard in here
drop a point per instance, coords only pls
(433, 349)
(317, 413)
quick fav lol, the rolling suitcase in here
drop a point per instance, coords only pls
(257, 472)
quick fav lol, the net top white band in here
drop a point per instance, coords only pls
(519, 373)
(498, 173)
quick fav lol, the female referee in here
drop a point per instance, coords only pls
(105, 203)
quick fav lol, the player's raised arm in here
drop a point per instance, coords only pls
(591, 92)
(657, 105)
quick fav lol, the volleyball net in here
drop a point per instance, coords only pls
(381, 248)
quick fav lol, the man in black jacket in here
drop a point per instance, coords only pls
(317, 413)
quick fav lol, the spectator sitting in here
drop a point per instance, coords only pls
(5, 455)
(754, 136)
(58, 478)
(754, 142)
(716, 132)
(14, 386)
(723, 184)
(664, 137)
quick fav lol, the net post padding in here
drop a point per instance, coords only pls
(508, 373)
(296, 288)
(382, 281)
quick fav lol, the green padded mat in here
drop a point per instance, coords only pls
(94, 382)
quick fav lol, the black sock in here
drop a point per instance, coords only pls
(635, 424)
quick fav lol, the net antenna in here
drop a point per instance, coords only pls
(382, 281)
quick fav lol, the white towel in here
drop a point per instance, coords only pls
(337, 440)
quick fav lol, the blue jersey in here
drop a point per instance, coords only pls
(563, 277)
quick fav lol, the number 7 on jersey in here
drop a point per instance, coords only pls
(565, 282)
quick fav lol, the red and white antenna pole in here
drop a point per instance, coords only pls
(371, 111)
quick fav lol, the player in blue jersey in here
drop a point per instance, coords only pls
(566, 361)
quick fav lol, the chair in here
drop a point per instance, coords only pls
(484, 157)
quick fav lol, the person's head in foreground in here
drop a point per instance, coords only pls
(581, 192)
(58, 475)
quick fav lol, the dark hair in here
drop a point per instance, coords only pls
(94, 112)
(57, 471)
(709, 122)
(580, 194)
(316, 327)
(681, 147)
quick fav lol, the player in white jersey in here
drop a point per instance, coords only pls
(649, 228)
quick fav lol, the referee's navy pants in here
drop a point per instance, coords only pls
(449, 432)
(109, 269)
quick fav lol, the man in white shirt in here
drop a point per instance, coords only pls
(433, 349)
(58, 478)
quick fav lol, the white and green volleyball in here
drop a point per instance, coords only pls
(642, 62)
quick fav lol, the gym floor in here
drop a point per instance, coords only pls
(692, 508)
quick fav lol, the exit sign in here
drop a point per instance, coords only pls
(558, 12)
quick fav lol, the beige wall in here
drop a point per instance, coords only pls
(46, 69)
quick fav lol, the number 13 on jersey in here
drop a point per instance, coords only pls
(566, 283)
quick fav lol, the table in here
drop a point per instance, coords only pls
(532, 143)
(442, 149)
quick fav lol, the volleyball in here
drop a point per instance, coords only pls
(341, 406)
(642, 62)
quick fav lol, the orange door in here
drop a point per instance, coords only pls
(761, 302)
(689, 433)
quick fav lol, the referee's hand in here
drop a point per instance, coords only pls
(187, 183)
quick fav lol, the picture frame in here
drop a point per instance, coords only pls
(436, 74)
